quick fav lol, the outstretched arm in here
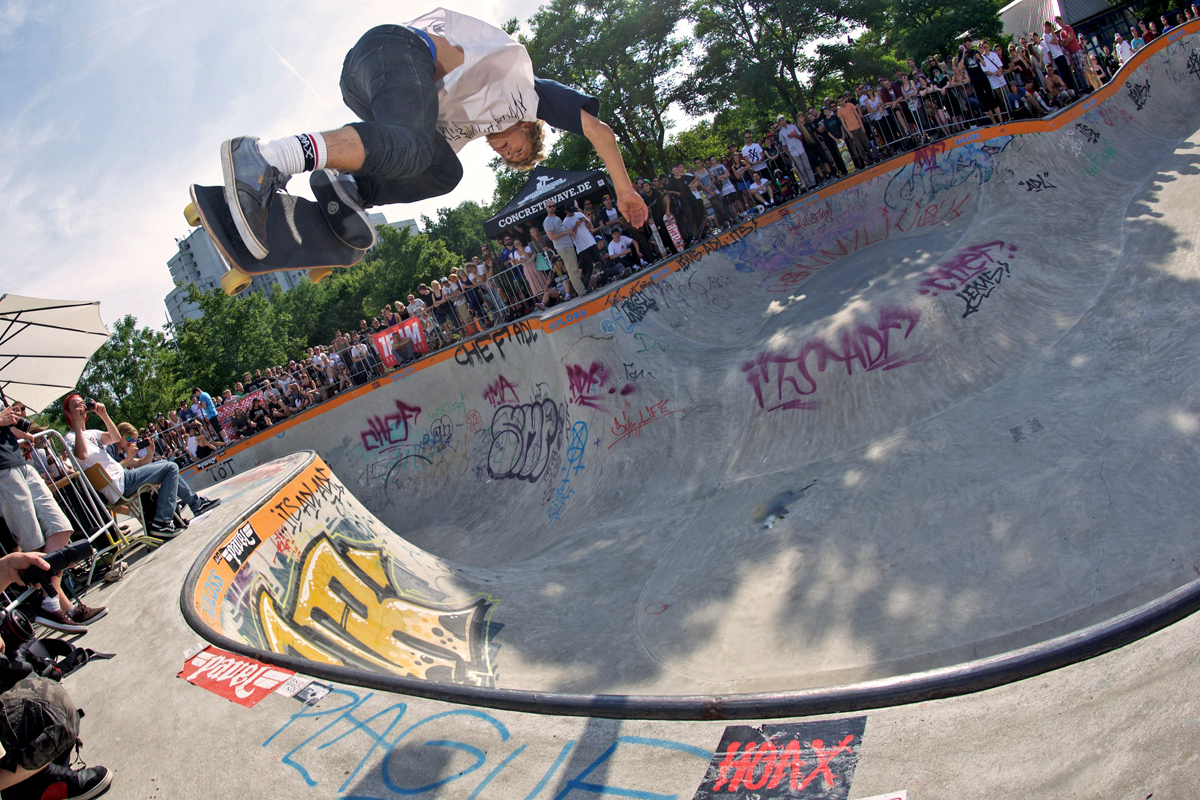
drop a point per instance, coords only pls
(629, 202)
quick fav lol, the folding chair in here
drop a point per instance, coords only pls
(130, 506)
(78, 494)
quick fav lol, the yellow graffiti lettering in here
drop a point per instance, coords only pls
(282, 638)
(347, 602)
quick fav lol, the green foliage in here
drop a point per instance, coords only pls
(401, 261)
(920, 28)
(136, 374)
(625, 52)
(760, 50)
(234, 335)
(702, 139)
(460, 229)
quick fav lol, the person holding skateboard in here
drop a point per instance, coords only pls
(423, 91)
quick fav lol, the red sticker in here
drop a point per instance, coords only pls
(238, 678)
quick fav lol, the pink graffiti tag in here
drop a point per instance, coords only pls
(870, 347)
(585, 384)
(951, 275)
(389, 430)
(589, 386)
(498, 393)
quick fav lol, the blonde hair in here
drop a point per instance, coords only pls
(535, 132)
(127, 429)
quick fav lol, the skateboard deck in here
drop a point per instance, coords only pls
(673, 231)
(658, 242)
(298, 237)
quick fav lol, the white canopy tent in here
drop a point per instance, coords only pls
(44, 346)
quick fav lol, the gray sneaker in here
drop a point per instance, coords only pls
(337, 196)
(250, 185)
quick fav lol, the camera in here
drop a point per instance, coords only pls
(89, 404)
(58, 560)
(143, 444)
(22, 424)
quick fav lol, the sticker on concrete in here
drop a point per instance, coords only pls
(292, 685)
(313, 693)
(809, 760)
(238, 678)
(900, 795)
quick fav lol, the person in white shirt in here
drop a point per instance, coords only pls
(89, 448)
(754, 153)
(415, 304)
(621, 251)
(1124, 49)
(586, 252)
(789, 134)
(564, 242)
(424, 90)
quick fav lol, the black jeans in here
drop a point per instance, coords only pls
(387, 80)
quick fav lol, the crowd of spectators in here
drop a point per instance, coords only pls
(570, 251)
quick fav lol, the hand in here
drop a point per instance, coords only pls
(8, 416)
(14, 563)
(633, 208)
(99, 408)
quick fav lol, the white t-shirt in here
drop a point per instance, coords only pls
(1124, 51)
(758, 185)
(1050, 41)
(414, 308)
(991, 61)
(755, 154)
(795, 146)
(97, 454)
(620, 246)
(493, 88)
(583, 236)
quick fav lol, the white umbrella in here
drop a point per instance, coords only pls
(44, 346)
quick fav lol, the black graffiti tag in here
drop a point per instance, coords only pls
(1091, 134)
(523, 437)
(1139, 93)
(1037, 183)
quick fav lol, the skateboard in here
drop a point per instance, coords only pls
(657, 238)
(298, 237)
(673, 230)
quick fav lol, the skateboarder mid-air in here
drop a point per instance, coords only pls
(422, 90)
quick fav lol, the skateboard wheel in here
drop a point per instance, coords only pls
(192, 215)
(318, 274)
(235, 281)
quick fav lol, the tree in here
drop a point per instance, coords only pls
(136, 374)
(234, 335)
(401, 261)
(759, 52)
(919, 28)
(460, 229)
(625, 52)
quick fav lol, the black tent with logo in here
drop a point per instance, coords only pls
(560, 185)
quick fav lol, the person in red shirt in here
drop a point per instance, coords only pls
(1074, 51)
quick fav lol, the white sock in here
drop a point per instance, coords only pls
(292, 154)
(51, 604)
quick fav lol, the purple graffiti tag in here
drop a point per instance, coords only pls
(497, 393)
(390, 430)
(951, 275)
(867, 347)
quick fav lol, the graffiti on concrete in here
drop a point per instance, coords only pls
(523, 437)
(786, 380)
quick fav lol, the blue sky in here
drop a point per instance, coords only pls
(111, 109)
